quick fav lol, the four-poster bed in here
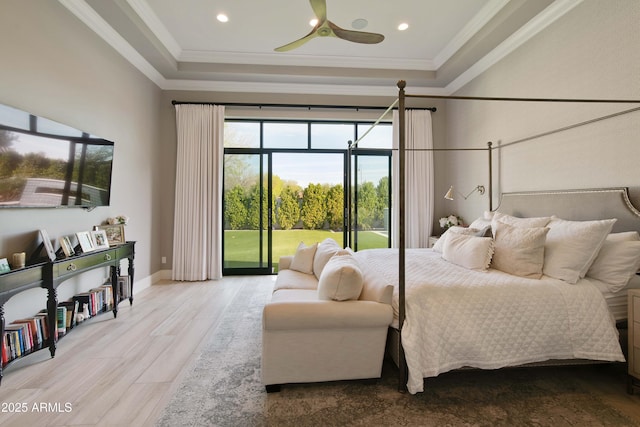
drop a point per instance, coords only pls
(598, 205)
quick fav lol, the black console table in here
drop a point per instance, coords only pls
(49, 275)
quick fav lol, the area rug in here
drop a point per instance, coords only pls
(223, 388)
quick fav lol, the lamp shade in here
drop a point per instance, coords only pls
(449, 195)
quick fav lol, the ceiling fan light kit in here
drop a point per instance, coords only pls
(326, 28)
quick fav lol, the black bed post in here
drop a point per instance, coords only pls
(402, 365)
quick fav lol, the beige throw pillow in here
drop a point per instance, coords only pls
(467, 251)
(341, 278)
(518, 250)
(326, 249)
(303, 258)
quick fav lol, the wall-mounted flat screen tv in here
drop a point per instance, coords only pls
(46, 164)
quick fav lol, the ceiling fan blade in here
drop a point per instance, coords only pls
(319, 9)
(355, 36)
(297, 43)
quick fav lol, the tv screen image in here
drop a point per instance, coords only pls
(47, 164)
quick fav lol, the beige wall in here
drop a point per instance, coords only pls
(54, 66)
(592, 52)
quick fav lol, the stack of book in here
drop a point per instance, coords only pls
(23, 336)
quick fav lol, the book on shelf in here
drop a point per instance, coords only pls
(72, 310)
(35, 329)
(61, 318)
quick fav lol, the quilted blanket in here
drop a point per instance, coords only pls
(457, 317)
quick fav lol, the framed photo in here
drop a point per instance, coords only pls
(67, 247)
(100, 240)
(84, 239)
(47, 244)
(115, 233)
(4, 266)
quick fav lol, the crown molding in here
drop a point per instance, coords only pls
(290, 59)
(541, 21)
(293, 88)
(151, 20)
(480, 20)
(90, 18)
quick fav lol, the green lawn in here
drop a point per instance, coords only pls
(241, 246)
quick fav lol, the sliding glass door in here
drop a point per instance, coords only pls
(288, 182)
(246, 214)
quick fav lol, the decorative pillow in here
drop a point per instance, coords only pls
(326, 249)
(572, 246)
(471, 252)
(518, 250)
(341, 278)
(439, 245)
(625, 236)
(616, 263)
(303, 258)
(483, 226)
(532, 222)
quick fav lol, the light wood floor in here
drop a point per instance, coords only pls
(123, 371)
(119, 371)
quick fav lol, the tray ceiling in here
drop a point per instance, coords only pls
(180, 45)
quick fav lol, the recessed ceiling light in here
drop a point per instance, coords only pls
(359, 23)
(222, 17)
(313, 22)
(403, 26)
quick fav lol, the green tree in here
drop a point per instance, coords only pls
(367, 203)
(254, 208)
(289, 209)
(313, 212)
(335, 207)
(235, 211)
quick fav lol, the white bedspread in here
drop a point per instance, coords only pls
(457, 317)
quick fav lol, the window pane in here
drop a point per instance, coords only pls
(242, 134)
(380, 136)
(334, 135)
(285, 135)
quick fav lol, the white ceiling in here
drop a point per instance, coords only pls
(181, 46)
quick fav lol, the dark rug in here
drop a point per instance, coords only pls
(223, 388)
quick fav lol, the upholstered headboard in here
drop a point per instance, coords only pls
(577, 205)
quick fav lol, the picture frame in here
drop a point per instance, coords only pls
(46, 241)
(67, 247)
(84, 239)
(4, 266)
(114, 232)
(100, 240)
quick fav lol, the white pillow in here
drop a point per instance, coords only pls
(326, 249)
(480, 223)
(532, 222)
(572, 246)
(439, 245)
(341, 278)
(518, 250)
(616, 263)
(628, 236)
(303, 258)
(471, 252)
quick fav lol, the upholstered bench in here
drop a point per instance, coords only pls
(323, 324)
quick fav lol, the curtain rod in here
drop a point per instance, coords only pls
(309, 107)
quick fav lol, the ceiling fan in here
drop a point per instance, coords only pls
(326, 28)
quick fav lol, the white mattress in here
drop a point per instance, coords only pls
(457, 317)
(617, 302)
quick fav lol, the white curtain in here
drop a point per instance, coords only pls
(419, 187)
(197, 239)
